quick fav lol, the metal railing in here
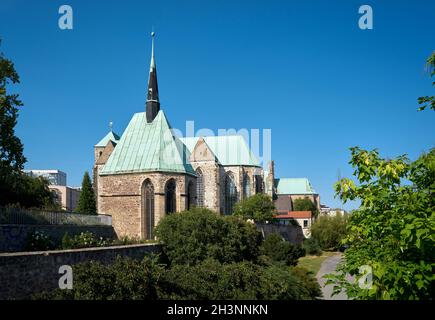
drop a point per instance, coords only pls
(11, 215)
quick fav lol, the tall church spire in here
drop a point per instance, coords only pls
(153, 103)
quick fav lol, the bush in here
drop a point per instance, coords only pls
(329, 231)
(82, 240)
(276, 249)
(259, 208)
(193, 236)
(123, 241)
(211, 280)
(126, 279)
(309, 281)
(38, 241)
(312, 247)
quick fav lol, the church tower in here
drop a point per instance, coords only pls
(152, 103)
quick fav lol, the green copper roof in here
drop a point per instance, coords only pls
(146, 147)
(110, 136)
(294, 186)
(229, 150)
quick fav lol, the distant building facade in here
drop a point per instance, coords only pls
(66, 197)
(327, 211)
(303, 218)
(54, 177)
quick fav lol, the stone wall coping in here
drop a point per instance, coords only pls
(93, 249)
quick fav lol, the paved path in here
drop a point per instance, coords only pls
(329, 266)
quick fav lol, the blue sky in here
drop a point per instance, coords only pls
(301, 68)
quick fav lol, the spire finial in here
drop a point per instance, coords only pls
(111, 126)
(153, 64)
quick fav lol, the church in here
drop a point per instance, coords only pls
(148, 172)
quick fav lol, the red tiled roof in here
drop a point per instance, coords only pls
(294, 215)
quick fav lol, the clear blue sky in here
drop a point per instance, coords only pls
(302, 68)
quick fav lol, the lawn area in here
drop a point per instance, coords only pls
(313, 263)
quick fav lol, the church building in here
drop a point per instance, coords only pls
(148, 172)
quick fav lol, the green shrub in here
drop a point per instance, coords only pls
(312, 247)
(38, 241)
(329, 231)
(277, 249)
(309, 281)
(126, 279)
(211, 280)
(128, 240)
(193, 236)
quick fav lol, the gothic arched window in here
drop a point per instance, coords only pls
(246, 186)
(148, 209)
(258, 184)
(199, 188)
(230, 193)
(190, 195)
(170, 203)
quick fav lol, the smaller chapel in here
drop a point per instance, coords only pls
(148, 172)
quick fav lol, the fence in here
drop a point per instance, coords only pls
(13, 215)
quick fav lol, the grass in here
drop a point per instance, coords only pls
(313, 263)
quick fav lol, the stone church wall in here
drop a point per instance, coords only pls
(121, 197)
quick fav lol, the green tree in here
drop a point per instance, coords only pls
(195, 235)
(276, 249)
(305, 204)
(328, 232)
(259, 208)
(428, 101)
(87, 203)
(393, 231)
(11, 149)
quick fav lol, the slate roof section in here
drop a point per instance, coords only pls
(148, 147)
(229, 150)
(294, 186)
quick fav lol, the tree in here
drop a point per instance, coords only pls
(195, 235)
(259, 208)
(87, 204)
(393, 230)
(276, 249)
(305, 204)
(33, 192)
(428, 101)
(11, 149)
(328, 232)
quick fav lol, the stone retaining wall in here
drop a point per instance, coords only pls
(26, 273)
